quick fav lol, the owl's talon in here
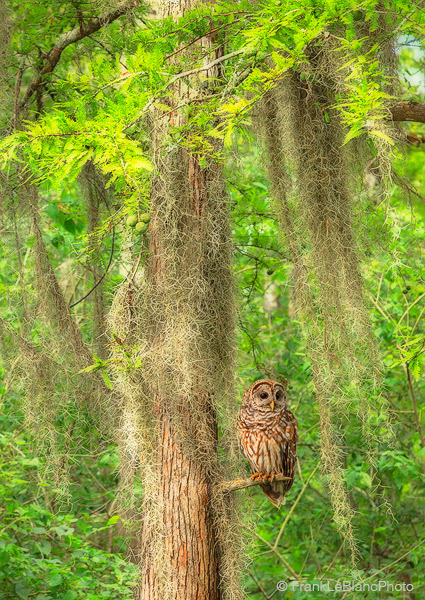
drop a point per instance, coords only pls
(259, 477)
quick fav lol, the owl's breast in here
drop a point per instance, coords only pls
(263, 448)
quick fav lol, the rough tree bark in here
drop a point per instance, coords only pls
(193, 563)
(190, 543)
(188, 528)
(408, 111)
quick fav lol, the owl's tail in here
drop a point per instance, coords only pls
(275, 492)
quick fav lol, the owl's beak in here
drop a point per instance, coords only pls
(272, 404)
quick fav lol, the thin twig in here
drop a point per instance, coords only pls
(259, 586)
(99, 281)
(240, 484)
(418, 299)
(280, 557)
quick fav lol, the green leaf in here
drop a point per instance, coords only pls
(69, 225)
(45, 547)
(353, 133)
(416, 370)
(22, 590)
(381, 135)
(90, 368)
(113, 520)
(55, 580)
(162, 107)
(141, 163)
(39, 530)
(62, 530)
(365, 480)
(107, 380)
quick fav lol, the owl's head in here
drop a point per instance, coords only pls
(267, 395)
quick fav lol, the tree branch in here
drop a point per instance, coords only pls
(408, 111)
(415, 140)
(71, 37)
(240, 484)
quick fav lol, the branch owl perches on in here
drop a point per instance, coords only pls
(268, 434)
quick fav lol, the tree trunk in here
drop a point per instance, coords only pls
(189, 537)
(191, 549)
(189, 245)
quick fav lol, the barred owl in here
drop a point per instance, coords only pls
(268, 434)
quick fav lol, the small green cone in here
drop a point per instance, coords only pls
(145, 218)
(141, 227)
(132, 221)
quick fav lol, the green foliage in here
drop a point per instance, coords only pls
(48, 552)
(101, 112)
(96, 109)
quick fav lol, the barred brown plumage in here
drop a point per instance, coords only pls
(268, 434)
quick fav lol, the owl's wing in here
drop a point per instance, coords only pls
(289, 432)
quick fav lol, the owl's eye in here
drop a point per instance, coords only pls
(264, 395)
(278, 396)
